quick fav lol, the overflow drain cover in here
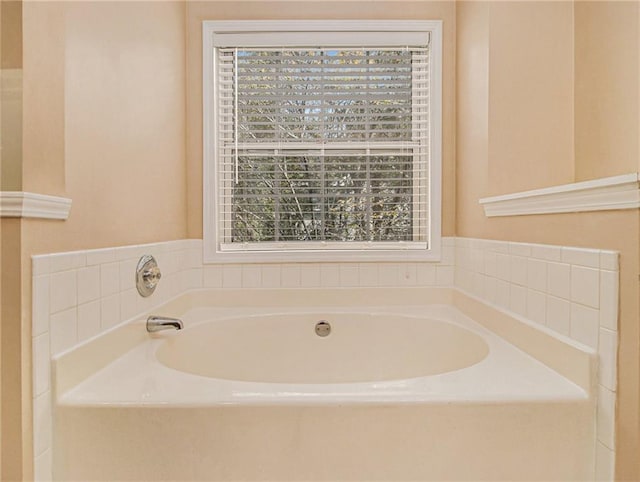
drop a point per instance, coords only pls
(323, 328)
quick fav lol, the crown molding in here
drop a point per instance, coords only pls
(610, 193)
(18, 204)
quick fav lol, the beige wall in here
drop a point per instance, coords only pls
(493, 126)
(104, 102)
(607, 98)
(248, 10)
(10, 95)
(530, 95)
(104, 124)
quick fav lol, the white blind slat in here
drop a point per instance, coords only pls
(322, 145)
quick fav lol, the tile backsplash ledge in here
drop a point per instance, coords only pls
(571, 291)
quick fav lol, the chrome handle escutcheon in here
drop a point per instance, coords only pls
(147, 275)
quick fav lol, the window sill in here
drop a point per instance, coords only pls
(329, 256)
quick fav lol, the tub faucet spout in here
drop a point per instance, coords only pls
(159, 323)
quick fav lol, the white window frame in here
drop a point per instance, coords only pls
(267, 31)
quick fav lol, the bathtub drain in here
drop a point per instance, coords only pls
(323, 328)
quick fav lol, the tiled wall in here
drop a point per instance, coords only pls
(79, 295)
(574, 292)
(571, 291)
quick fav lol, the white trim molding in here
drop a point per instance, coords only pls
(18, 204)
(609, 193)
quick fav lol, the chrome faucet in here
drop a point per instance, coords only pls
(159, 323)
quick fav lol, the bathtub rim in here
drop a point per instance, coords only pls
(574, 361)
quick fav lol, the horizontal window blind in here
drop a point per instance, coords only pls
(322, 146)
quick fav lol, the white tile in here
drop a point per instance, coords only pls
(479, 283)
(605, 463)
(584, 325)
(64, 331)
(41, 362)
(518, 270)
(231, 276)
(62, 291)
(477, 260)
(330, 275)
(271, 276)
(520, 249)
(349, 275)
(462, 279)
(609, 299)
(290, 276)
(369, 274)
(110, 311)
(66, 261)
(490, 264)
(310, 275)
(88, 320)
(426, 274)
(546, 252)
(463, 257)
(408, 274)
(581, 256)
(133, 251)
(537, 306)
(503, 266)
(559, 280)
(490, 289)
(42, 423)
(500, 247)
(537, 274)
(444, 275)
(606, 417)
(518, 299)
(502, 294)
(609, 260)
(448, 241)
(88, 284)
(101, 256)
(194, 277)
(195, 258)
(40, 265)
(607, 350)
(182, 259)
(389, 274)
(559, 315)
(43, 467)
(213, 277)
(251, 276)
(128, 304)
(126, 275)
(448, 256)
(585, 286)
(191, 243)
(40, 305)
(110, 279)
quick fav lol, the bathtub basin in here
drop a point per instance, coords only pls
(248, 391)
(284, 348)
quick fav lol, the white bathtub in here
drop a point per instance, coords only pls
(284, 348)
(404, 391)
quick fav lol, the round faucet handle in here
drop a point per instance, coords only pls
(151, 276)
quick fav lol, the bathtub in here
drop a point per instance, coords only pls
(408, 388)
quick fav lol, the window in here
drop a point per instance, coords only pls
(322, 140)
